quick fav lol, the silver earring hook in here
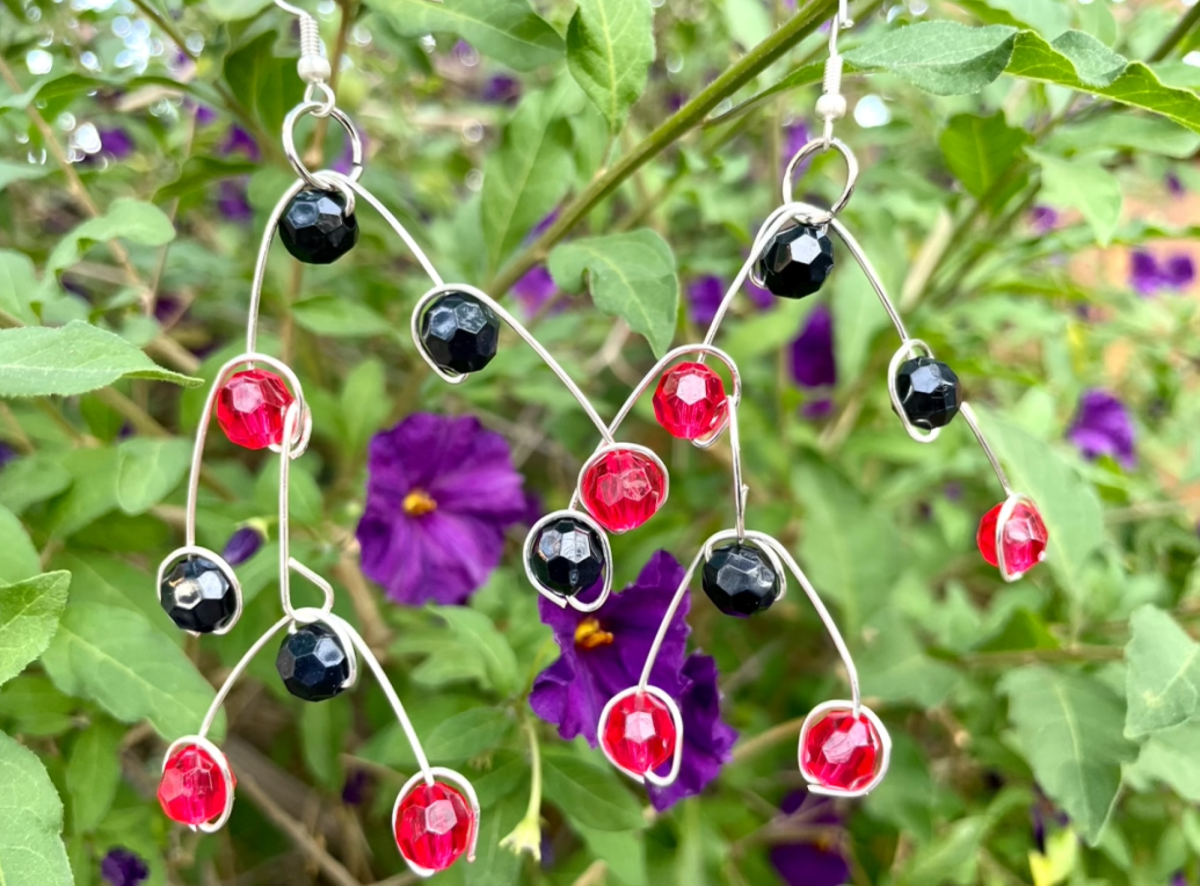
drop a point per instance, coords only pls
(313, 67)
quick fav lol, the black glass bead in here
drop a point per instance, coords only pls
(797, 261)
(460, 332)
(316, 229)
(740, 580)
(929, 391)
(567, 556)
(312, 663)
(199, 595)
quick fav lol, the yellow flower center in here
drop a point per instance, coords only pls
(590, 635)
(418, 502)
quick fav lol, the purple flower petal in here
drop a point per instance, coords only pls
(502, 90)
(813, 361)
(1175, 185)
(1102, 427)
(1179, 271)
(535, 289)
(242, 545)
(1043, 219)
(7, 454)
(233, 203)
(123, 868)
(239, 141)
(704, 298)
(814, 862)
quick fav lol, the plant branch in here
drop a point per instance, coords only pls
(806, 20)
(1186, 25)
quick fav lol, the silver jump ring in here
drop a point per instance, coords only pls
(328, 100)
(321, 181)
(816, 146)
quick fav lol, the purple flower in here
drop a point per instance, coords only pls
(440, 493)
(796, 136)
(1102, 427)
(355, 787)
(1043, 219)
(816, 410)
(345, 161)
(1179, 879)
(501, 90)
(117, 142)
(232, 201)
(813, 362)
(205, 115)
(239, 141)
(763, 300)
(242, 545)
(544, 225)
(815, 862)
(704, 296)
(7, 454)
(707, 741)
(123, 868)
(1175, 185)
(1149, 275)
(535, 289)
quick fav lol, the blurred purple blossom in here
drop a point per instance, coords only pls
(7, 454)
(205, 115)
(354, 789)
(117, 142)
(544, 225)
(796, 136)
(501, 90)
(813, 362)
(345, 161)
(816, 410)
(239, 141)
(242, 545)
(1043, 219)
(704, 296)
(1150, 275)
(232, 201)
(1102, 427)
(1175, 185)
(815, 862)
(535, 289)
(123, 868)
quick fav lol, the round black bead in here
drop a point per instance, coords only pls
(929, 392)
(567, 556)
(199, 595)
(316, 229)
(460, 332)
(740, 580)
(797, 261)
(313, 663)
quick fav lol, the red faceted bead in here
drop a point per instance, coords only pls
(842, 752)
(251, 406)
(1024, 538)
(690, 401)
(640, 734)
(623, 489)
(192, 789)
(434, 826)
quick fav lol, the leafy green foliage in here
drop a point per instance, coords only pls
(1163, 677)
(29, 614)
(610, 47)
(31, 820)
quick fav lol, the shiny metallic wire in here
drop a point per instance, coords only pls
(661, 781)
(472, 798)
(189, 551)
(322, 181)
(218, 757)
(558, 599)
(817, 146)
(906, 350)
(237, 672)
(973, 422)
(885, 758)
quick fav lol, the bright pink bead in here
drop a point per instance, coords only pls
(640, 734)
(623, 489)
(690, 401)
(842, 752)
(434, 826)
(251, 406)
(1024, 538)
(192, 789)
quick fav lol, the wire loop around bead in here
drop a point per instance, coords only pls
(558, 599)
(218, 757)
(907, 350)
(660, 781)
(817, 146)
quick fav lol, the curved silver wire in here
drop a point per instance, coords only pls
(973, 422)
(218, 757)
(238, 669)
(286, 562)
(189, 551)
(322, 181)
(250, 358)
(622, 447)
(1014, 500)
(518, 327)
(885, 750)
(907, 350)
(661, 781)
(820, 145)
(472, 798)
(558, 599)
(393, 223)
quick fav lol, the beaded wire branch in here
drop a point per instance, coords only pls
(844, 748)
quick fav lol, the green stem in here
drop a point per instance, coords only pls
(534, 810)
(1186, 25)
(806, 20)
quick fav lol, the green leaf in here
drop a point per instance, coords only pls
(365, 404)
(199, 172)
(31, 820)
(897, 668)
(1068, 505)
(14, 171)
(18, 284)
(35, 708)
(117, 659)
(952, 858)
(323, 730)
(1151, 135)
(1162, 678)
(632, 277)
(29, 615)
(235, 10)
(623, 851)
(468, 735)
(610, 48)
(588, 794)
(1050, 19)
(93, 774)
(1070, 729)
(476, 631)
(941, 57)
(340, 318)
(19, 559)
(1170, 757)
(92, 494)
(527, 177)
(37, 361)
(262, 76)
(1082, 184)
(506, 30)
(132, 220)
(980, 150)
(32, 479)
(148, 469)
(496, 865)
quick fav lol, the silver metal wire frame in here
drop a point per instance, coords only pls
(472, 798)
(973, 422)
(518, 327)
(322, 181)
(558, 599)
(885, 743)
(622, 447)
(1010, 505)
(816, 146)
(250, 358)
(661, 781)
(218, 757)
(186, 553)
(905, 351)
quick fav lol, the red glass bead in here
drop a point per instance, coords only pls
(842, 752)
(250, 408)
(623, 489)
(690, 401)
(640, 734)
(192, 789)
(434, 826)
(1024, 540)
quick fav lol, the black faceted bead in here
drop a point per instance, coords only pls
(929, 391)
(199, 595)
(797, 261)
(740, 580)
(313, 663)
(316, 229)
(567, 556)
(460, 332)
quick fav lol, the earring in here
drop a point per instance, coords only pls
(435, 819)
